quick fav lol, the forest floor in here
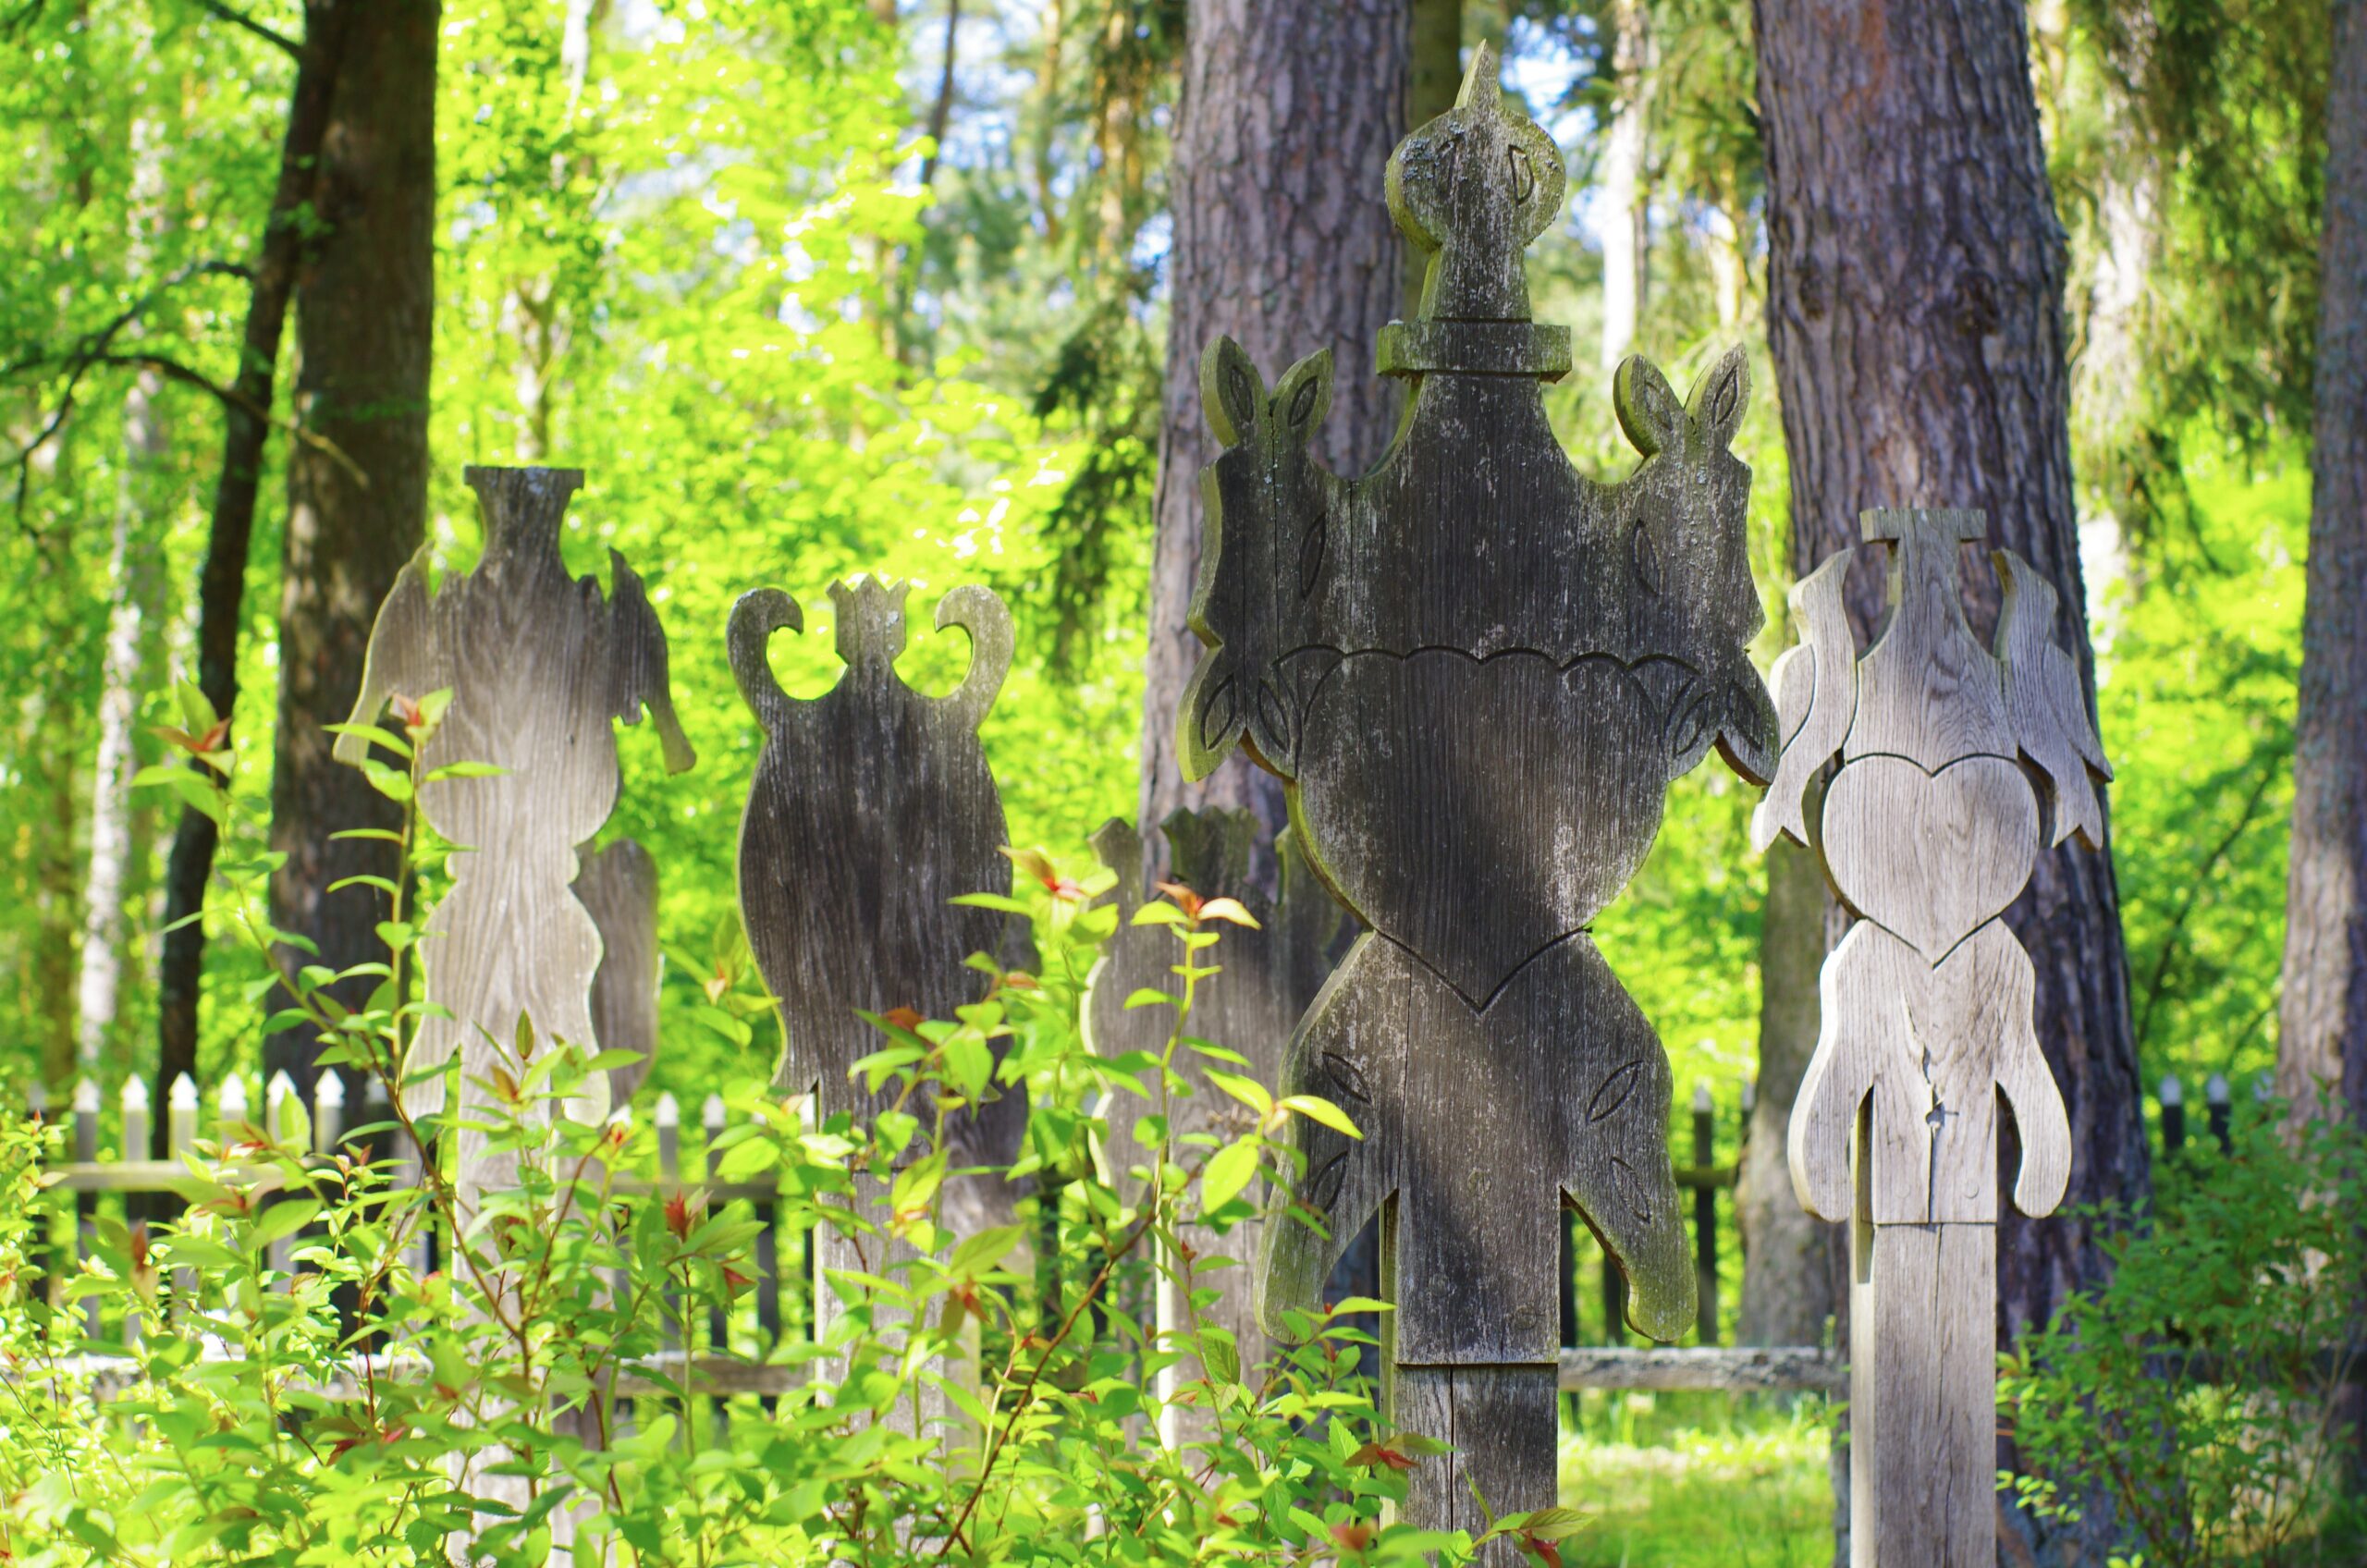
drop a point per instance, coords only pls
(1698, 1481)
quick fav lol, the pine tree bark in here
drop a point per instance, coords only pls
(2322, 1015)
(364, 320)
(222, 580)
(1283, 242)
(1916, 277)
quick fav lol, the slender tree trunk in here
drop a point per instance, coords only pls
(1915, 310)
(363, 318)
(1627, 218)
(1787, 1282)
(1282, 241)
(2321, 1021)
(131, 568)
(222, 580)
(2322, 1018)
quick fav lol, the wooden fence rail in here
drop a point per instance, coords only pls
(731, 1360)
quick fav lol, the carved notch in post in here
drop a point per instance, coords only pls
(1928, 830)
(1477, 672)
(872, 809)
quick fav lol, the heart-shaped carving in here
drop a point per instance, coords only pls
(1931, 856)
(1477, 811)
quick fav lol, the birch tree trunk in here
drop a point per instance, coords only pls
(1284, 241)
(364, 314)
(1626, 219)
(130, 572)
(1915, 299)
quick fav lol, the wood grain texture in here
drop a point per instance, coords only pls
(1928, 833)
(618, 887)
(1490, 1413)
(1923, 1397)
(538, 664)
(1268, 975)
(1477, 671)
(871, 808)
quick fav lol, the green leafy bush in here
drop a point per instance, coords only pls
(2197, 1394)
(279, 1381)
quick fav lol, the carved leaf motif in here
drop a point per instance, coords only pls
(1631, 1189)
(1615, 1091)
(1347, 1077)
(1303, 404)
(1217, 715)
(1691, 723)
(1648, 559)
(1323, 1188)
(1311, 558)
(1273, 718)
(1524, 173)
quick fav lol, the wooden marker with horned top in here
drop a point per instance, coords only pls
(1928, 831)
(1477, 671)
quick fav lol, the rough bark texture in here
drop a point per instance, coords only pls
(362, 320)
(1282, 241)
(2323, 1016)
(222, 582)
(1915, 310)
(1786, 1285)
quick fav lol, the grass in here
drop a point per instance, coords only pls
(1698, 1481)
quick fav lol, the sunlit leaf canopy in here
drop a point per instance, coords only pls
(697, 258)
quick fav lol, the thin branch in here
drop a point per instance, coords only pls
(239, 18)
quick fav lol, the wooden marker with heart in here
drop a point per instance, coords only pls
(1928, 831)
(1477, 671)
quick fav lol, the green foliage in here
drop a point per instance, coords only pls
(2198, 1389)
(476, 1408)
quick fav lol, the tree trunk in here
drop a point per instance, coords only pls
(1283, 242)
(1787, 1282)
(1915, 310)
(130, 577)
(364, 317)
(2322, 1018)
(1626, 219)
(222, 580)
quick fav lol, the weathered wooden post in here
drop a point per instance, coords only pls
(1928, 831)
(1271, 974)
(1477, 671)
(617, 888)
(537, 665)
(871, 810)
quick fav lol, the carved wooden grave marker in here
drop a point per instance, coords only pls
(618, 887)
(1477, 671)
(537, 665)
(872, 809)
(1928, 831)
(1269, 976)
